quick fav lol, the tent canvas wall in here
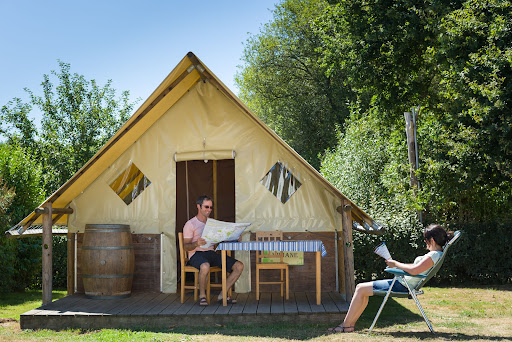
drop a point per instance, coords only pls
(193, 117)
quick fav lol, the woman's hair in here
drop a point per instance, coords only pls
(436, 232)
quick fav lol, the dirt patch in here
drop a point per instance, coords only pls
(10, 324)
(7, 320)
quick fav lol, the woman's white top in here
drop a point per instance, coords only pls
(414, 281)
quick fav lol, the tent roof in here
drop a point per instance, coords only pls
(185, 75)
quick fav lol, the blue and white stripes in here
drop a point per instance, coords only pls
(281, 246)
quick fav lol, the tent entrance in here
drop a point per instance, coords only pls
(195, 178)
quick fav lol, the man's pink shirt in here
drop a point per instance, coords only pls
(194, 229)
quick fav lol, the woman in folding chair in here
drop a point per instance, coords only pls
(435, 238)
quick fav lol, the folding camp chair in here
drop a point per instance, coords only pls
(413, 292)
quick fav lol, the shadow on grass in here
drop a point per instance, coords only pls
(428, 336)
(393, 313)
(19, 298)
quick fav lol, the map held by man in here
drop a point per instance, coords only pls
(216, 231)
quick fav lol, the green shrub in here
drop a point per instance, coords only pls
(59, 264)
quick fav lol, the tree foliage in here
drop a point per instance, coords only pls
(7, 248)
(77, 118)
(21, 175)
(285, 84)
(453, 59)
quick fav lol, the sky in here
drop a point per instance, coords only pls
(136, 44)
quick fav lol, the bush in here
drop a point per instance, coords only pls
(479, 257)
(482, 256)
(59, 264)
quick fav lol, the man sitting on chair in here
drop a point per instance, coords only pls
(203, 258)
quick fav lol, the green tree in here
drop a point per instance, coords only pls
(474, 58)
(7, 248)
(78, 117)
(22, 175)
(453, 59)
(283, 82)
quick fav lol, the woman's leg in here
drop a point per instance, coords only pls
(357, 306)
(358, 303)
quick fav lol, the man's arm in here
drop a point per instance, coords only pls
(189, 245)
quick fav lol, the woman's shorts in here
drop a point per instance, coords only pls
(384, 284)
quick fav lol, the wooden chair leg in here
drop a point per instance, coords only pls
(257, 284)
(282, 283)
(287, 284)
(182, 287)
(196, 286)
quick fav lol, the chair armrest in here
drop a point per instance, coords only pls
(397, 271)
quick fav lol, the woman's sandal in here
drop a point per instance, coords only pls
(341, 329)
(203, 301)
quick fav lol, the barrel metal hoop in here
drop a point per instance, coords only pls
(106, 247)
(95, 230)
(107, 276)
(106, 297)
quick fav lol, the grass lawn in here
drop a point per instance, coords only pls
(457, 314)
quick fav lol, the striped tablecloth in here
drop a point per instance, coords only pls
(281, 246)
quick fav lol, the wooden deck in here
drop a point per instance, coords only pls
(146, 310)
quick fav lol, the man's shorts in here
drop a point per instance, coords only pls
(384, 284)
(212, 258)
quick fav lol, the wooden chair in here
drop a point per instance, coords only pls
(190, 269)
(278, 265)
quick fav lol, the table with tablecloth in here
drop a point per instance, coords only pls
(315, 246)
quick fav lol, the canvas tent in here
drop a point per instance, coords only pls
(194, 136)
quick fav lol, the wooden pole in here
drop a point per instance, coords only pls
(71, 263)
(411, 149)
(47, 254)
(341, 258)
(348, 251)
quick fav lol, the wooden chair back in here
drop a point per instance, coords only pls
(183, 252)
(269, 236)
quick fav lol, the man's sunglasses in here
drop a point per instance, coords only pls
(207, 206)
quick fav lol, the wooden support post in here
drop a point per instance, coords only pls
(47, 254)
(71, 263)
(348, 251)
(411, 149)
(341, 264)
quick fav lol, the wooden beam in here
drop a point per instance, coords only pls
(56, 219)
(29, 222)
(54, 210)
(47, 253)
(348, 250)
(71, 263)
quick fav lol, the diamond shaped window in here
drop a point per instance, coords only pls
(281, 182)
(130, 184)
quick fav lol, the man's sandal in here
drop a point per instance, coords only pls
(229, 300)
(203, 301)
(341, 329)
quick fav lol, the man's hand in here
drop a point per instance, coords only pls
(201, 242)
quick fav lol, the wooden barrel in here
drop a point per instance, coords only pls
(108, 261)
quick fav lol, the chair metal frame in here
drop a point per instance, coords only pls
(281, 265)
(412, 292)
